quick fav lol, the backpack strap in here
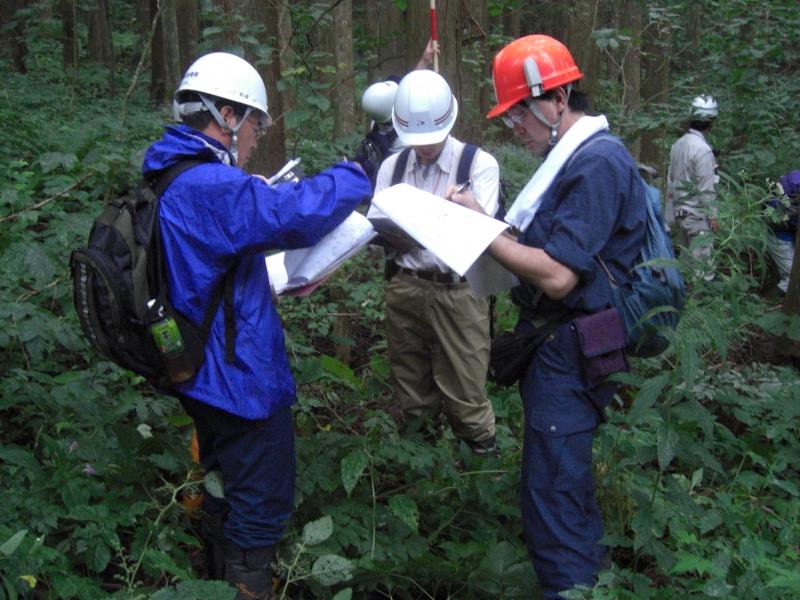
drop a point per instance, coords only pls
(465, 162)
(400, 166)
(223, 292)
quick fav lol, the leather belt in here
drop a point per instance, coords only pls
(434, 276)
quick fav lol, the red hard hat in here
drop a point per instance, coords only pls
(530, 66)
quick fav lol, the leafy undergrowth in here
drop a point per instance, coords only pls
(697, 469)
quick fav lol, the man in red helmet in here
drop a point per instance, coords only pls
(584, 204)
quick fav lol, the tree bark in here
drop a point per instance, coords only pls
(188, 26)
(344, 86)
(157, 67)
(171, 49)
(271, 152)
(473, 93)
(391, 41)
(582, 22)
(655, 87)
(13, 37)
(69, 38)
(632, 69)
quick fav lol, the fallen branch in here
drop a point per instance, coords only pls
(48, 200)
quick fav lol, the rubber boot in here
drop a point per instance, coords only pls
(249, 571)
(212, 532)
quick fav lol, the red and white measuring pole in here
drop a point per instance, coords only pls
(434, 37)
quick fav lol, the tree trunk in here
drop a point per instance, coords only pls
(655, 87)
(632, 69)
(188, 25)
(512, 23)
(100, 46)
(172, 59)
(344, 86)
(473, 66)
(391, 41)
(157, 67)
(791, 303)
(582, 22)
(270, 154)
(69, 41)
(12, 34)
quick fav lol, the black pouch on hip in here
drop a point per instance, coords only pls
(512, 352)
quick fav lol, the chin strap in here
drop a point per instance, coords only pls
(234, 149)
(533, 106)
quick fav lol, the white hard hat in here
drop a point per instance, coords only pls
(378, 100)
(704, 108)
(424, 109)
(224, 76)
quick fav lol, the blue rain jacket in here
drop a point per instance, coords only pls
(215, 216)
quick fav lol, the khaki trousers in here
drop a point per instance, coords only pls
(438, 338)
(694, 233)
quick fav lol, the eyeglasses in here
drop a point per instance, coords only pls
(515, 118)
(259, 122)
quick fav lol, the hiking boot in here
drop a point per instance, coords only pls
(487, 447)
(249, 571)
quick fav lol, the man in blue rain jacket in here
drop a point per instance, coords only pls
(215, 218)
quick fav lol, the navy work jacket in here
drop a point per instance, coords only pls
(595, 206)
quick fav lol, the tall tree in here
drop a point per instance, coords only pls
(275, 14)
(70, 50)
(656, 39)
(12, 33)
(583, 16)
(188, 27)
(344, 85)
(170, 47)
(631, 22)
(391, 41)
(157, 68)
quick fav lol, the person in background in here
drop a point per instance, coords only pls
(784, 227)
(437, 331)
(691, 198)
(377, 101)
(584, 203)
(216, 221)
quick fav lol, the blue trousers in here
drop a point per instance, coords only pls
(561, 518)
(257, 462)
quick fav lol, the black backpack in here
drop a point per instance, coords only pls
(121, 270)
(462, 174)
(373, 150)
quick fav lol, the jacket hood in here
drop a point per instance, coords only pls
(179, 142)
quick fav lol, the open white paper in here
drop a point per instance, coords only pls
(297, 268)
(454, 234)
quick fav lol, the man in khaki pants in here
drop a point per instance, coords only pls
(437, 331)
(691, 199)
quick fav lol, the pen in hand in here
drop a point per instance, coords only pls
(463, 187)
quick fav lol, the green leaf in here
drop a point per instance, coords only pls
(11, 544)
(338, 369)
(330, 569)
(405, 509)
(667, 443)
(321, 102)
(345, 594)
(214, 484)
(50, 161)
(295, 118)
(99, 556)
(318, 531)
(688, 563)
(352, 466)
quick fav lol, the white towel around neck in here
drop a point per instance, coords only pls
(527, 203)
